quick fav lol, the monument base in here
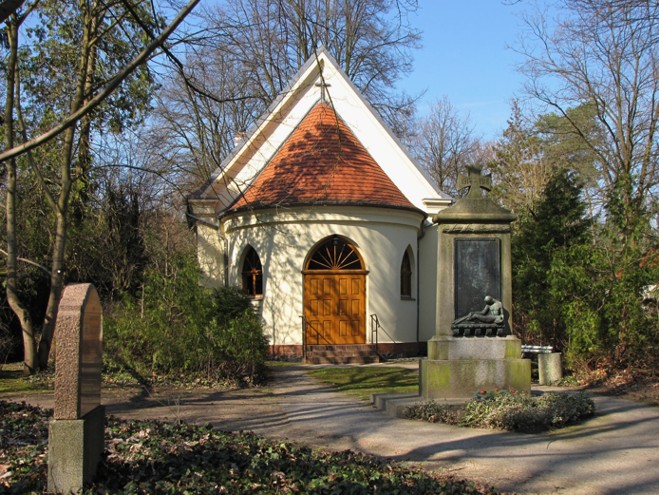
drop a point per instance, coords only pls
(74, 450)
(459, 367)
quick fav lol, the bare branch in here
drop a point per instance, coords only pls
(29, 262)
(106, 91)
(9, 7)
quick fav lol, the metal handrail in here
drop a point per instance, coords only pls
(304, 338)
(375, 326)
(305, 343)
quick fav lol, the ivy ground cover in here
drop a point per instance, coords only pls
(146, 457)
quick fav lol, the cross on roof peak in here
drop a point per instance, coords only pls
(475, 181)
(323, 89)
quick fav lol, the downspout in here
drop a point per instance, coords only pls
(225, 254)
(419, 236)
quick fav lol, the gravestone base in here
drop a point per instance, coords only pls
(459, 367)
(74, 450)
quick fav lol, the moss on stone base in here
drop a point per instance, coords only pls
(462, 378)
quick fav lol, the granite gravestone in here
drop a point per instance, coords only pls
(76, 433)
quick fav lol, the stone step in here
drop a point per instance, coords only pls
(342, 359)
(341, 354)
(341, 348)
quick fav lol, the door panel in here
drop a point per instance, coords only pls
(341, 299)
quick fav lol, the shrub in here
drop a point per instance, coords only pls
(510, 410)
(179, 328)
(7, 344)
(434, 412)
(240, 343)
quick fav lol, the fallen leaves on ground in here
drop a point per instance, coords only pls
(144, 457)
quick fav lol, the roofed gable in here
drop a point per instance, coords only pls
(322, 162)
(321, 78)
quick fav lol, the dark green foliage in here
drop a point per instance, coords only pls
(576, 289)
(553, 234)
(10, 329)
(510, 410)
(631, 333)
(233, 303)
(239, 348)
(107, 245)
(563, 144)
(6, 344)
(145, 457)
(177, 327)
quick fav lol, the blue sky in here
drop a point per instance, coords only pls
(465, 58)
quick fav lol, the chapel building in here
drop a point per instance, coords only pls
(322, 218)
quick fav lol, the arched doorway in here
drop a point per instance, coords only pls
(335, 294)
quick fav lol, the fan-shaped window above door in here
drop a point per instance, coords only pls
(335, 254)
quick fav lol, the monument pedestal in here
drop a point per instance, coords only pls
(458, 367)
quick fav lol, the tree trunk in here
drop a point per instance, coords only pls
(66, 183)
(11, 285)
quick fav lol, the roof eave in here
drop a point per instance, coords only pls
(262, 207)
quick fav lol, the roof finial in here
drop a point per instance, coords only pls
(323, 89)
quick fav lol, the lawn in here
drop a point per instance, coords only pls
(12, 380)
(363, 381)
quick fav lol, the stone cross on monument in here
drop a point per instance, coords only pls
(475, 181)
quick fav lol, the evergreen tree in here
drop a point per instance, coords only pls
(555, 228)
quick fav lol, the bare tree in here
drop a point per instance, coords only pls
(250, 51)
(445, 144)
(519, 164)
(604, 53)
(370, 40)
(193, 131)
(11, 284)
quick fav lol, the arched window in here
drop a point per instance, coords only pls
(335, 254)
(252, 274)
(406, 276)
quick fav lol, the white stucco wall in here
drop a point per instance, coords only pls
(211, 254)
(283, 238)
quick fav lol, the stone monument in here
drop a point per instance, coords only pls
(76, 433)
(473, 347)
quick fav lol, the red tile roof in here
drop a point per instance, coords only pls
(322, 162)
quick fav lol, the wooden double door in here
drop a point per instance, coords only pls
(335, 307)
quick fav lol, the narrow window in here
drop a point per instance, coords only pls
(252, 274)
(406, 276)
